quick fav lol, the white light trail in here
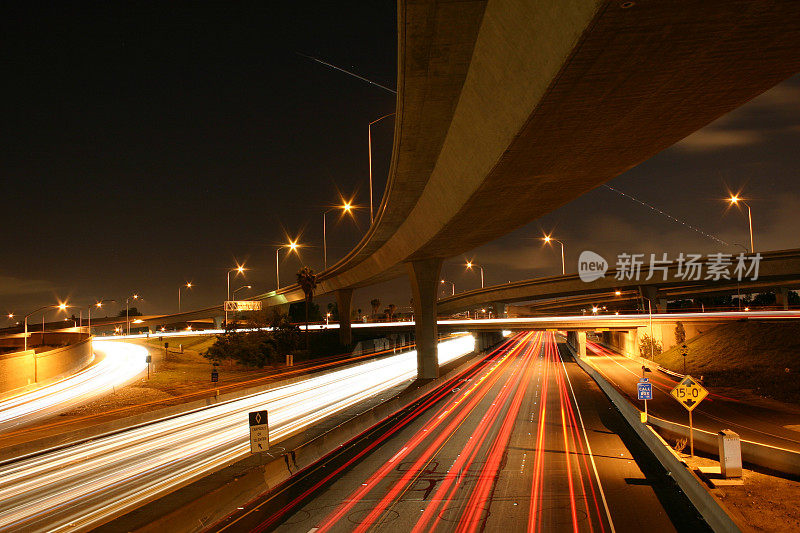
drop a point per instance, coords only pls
(120, 363)
(82, 485)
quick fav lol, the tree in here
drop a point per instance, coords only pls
(376, 304)
(648, 346)
(308, 282)
(333, 309)
(680, 333)
(132, 311)
(256, 347)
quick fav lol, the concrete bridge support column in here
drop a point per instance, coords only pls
(500, 309)
(344, 298)
(218, 320)
(425, 282)
(484, 340)
(782, 298)
(577, 340)
(661, 305)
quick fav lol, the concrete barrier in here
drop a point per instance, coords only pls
(753, 453)
(712, 510)
(24, 368)
(211, 497)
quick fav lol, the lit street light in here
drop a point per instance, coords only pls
(292, 246)
(371, 213)
(469, 265)
(735, 200)
(548, 239)
(346, 207)
(239, 270)
(188, 286)
(452, 285)
(97, 305)
(127, 317)
(60, 307)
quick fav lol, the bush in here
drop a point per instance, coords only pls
(645, 344)
(256, 348)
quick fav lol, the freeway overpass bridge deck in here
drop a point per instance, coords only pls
(778, 269)
(507, 111)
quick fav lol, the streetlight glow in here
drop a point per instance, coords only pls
(618, 293)
(547, 240)
(735, 200)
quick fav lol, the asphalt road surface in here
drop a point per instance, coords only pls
(756, 420)
(523, 441)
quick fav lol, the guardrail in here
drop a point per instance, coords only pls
(712, 510)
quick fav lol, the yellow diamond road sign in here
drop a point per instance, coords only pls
(689, 393)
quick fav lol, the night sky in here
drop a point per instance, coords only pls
(144, 147)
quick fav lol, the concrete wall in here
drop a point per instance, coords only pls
(20, 369)
(628, 341)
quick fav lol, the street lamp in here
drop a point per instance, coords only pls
(453, 286)
(127, 317)
(239, 270)
(188, 286)
(60, 307)
(346, 207)
(371, 214)
(240, 288)
(98, 305)
(735, 200)
(548, 239)
(292, 246)
(469, 265)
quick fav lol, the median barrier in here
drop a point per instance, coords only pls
(210, 498)
(110, 427)
(711, 509)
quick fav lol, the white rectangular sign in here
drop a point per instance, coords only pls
(259, 431)
(243, 305)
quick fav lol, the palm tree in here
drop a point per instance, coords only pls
(376, 304)
(308, 282)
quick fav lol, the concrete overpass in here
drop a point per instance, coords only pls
(778, 271)
(508, 110)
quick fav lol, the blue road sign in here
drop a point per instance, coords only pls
(644, 389)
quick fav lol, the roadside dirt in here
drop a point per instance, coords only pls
(762, 503)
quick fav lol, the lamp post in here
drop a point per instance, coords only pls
(127, 307)
(346, 207)
(369, 145)
(241, 288)
(292, 246)
(548, 239)
(470, 264)
(99, 304)
(60, 307)
(735, 200)
(239, 270)
(188, 286)
(452, 285)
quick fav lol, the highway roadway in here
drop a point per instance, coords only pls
(757, 420)
(79, 486)
(117, 364)
(522, 441)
